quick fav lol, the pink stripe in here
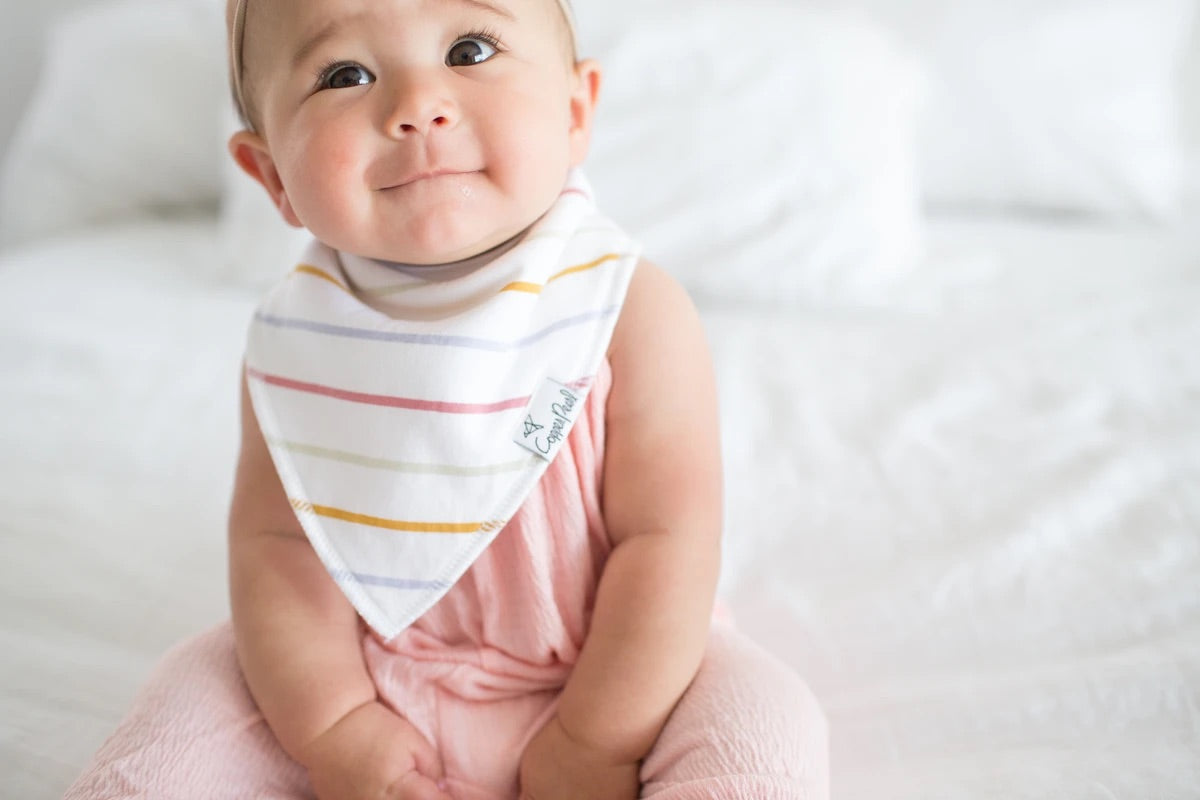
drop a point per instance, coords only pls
(388, 401)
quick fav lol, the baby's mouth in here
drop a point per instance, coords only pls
(421, 177)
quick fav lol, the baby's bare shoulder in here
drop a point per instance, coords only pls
(658, 319)
(660, 359)
(662, 439)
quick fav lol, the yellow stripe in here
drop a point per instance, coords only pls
(387, 524)
(585, 267)
(308, 269)
(523, 286)
(533, 288)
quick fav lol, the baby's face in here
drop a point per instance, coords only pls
(419, 131)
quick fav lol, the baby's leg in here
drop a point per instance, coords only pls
(748, 728)
(194, 732)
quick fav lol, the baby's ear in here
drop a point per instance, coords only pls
(251, 153)
(584, 94)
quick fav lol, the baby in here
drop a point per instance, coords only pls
(475, 533)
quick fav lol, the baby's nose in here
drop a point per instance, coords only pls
(420, 106)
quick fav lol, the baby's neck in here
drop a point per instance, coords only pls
(455, 269)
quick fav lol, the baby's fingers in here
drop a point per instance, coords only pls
(415, 786)
(426, 759)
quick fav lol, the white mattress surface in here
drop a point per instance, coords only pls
(969, 515)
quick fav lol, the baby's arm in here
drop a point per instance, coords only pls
(299, 646)
(662, 505)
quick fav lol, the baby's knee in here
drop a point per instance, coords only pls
(193, 731)
(201, 669)
(748, 726)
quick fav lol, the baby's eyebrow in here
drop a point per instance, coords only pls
(329, 29)
(495, 8)
(321, 35)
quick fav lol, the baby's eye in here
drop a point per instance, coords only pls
(345, 76)
(470, 50)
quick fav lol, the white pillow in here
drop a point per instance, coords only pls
(761, 152)
(1070, 105)
(123, 121)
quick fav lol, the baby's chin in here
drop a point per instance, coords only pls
(440, 254)
(434, 245)
(419, 246)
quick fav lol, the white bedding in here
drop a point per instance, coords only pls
(963, 489)
(969, 513)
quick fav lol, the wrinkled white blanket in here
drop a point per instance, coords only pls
(969, 516)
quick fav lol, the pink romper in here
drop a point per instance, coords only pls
(479, 674)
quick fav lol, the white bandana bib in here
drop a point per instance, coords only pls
(409, 413)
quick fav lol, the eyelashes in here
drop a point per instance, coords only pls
(471, 48)
(484, 35)
(341, 75)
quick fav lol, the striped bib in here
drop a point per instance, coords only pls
(410, 414)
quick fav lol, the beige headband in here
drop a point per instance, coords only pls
(239, 31)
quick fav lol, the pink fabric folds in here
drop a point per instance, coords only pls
(479, 674)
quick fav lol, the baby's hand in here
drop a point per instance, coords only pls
(375, 753)
(556, 767)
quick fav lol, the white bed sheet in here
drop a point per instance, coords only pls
(969, 515)
(974, 522)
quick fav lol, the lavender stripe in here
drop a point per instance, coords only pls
(390, 583)
(436, 340)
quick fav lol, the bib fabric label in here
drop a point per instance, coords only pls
(548, 419)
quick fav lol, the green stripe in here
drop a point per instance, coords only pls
(400, 466)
